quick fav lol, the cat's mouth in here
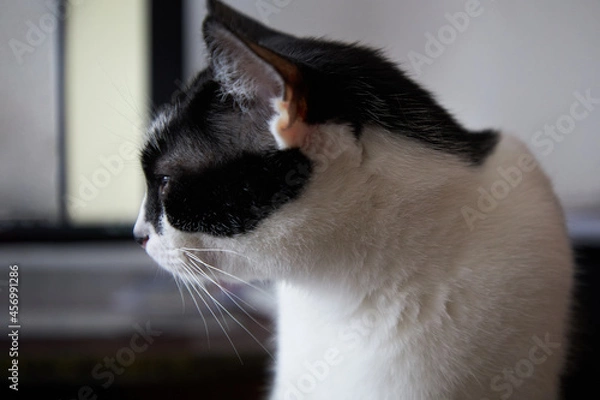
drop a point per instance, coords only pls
(193, 265)
(187, 263)
(185, 259)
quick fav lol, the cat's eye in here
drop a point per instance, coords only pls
(163, 181)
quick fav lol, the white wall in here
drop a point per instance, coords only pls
(28, 112)
(515, 67)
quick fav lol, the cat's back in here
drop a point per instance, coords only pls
(510, 192)
(520, 267)
(515, 227)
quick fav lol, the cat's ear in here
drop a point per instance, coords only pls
(242, 24)
(254, 74)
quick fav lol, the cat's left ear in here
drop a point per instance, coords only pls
(254, 74)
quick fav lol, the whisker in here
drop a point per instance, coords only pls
(176, 279)
(230, 295)
(217, 250)
(186, 284)
(214, 282)
(227, 291)
(195, 288)
(199, 270)
(235, 319)
(262, 291)
(120, 92)
(203, 273)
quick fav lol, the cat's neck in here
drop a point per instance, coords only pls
(394, 204)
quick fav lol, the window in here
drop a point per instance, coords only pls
(107, 107)
(84, 79)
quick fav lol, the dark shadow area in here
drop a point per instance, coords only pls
(76, 370)
(583, 370)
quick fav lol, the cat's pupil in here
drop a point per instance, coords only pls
(163, 183)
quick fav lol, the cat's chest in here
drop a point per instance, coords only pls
(321, 356)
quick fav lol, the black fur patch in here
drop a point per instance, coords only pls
(357, 85)
(233, 198)
(226, 173)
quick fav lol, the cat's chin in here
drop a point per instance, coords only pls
(181, 263)
(198, 267)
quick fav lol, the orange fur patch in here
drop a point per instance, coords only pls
(292, 130)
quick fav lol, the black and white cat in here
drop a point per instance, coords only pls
(414, 259)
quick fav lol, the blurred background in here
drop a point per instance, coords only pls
(79, 81)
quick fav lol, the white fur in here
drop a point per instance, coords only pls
(384, 290)
(159, 124)
(274, 123)
(240, 72)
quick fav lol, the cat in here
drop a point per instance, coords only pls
(414, 259)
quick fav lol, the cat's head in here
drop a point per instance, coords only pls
(255, 166)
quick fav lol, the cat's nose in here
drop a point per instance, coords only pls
(140, 229)
(141, 240)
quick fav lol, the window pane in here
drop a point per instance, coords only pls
(106, 83)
